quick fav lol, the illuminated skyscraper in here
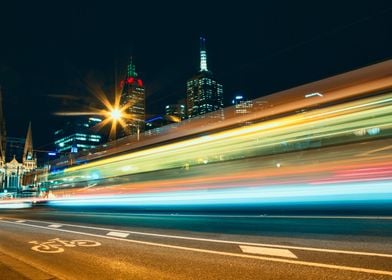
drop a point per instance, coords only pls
(133, 97)
(204, 93)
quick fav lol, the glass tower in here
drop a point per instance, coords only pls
(133, 98)
(204, 93)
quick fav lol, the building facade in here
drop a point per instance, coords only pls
(204, 93)
(13, 172)
(133, 98)
(78, 135)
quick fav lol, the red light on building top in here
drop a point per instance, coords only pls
(130, 81)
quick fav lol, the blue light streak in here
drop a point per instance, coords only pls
(277, 196)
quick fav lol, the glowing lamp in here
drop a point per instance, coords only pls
(116, 114)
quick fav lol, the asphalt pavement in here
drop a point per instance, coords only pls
(43, 243)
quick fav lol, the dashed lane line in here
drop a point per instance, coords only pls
(55, 226)
(117, 234)
(313, 249)
(296, 262)
(268, 251)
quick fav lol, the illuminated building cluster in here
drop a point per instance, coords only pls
(203, 95)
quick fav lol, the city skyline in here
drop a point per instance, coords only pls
(196, 140)
(53, 68)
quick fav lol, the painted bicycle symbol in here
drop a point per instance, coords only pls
(57, 245)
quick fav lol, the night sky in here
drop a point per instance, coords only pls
(51, 54)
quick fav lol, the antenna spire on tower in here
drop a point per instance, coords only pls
(131, 69)
(203, 54)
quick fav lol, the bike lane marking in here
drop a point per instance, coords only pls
(271, 259)
(45, 248)
(57, 245)
(334, 251)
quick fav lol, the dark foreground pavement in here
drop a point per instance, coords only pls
(51, 244)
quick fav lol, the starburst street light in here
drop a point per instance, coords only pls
(115, 114)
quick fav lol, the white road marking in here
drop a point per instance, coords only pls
(313, 249)
(268, 251)
(55, 245)
(118, 234)
(55, 226)
(20, 221)
(312, 264)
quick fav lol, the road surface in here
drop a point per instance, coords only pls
(42, 243)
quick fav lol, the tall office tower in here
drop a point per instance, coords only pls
(134, 98)
(204, 93)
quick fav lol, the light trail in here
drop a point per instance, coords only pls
(254, 140)
(331, 149)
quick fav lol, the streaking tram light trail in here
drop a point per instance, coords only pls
(299, 149)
